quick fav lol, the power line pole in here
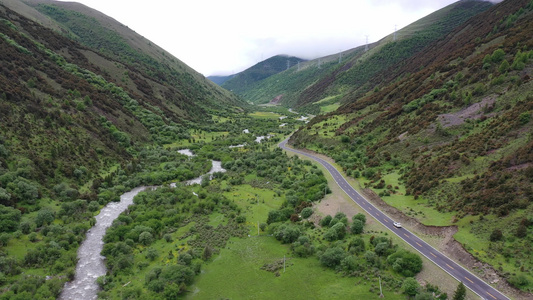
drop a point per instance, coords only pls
(380, 290)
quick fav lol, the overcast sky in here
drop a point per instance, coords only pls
(221, 37)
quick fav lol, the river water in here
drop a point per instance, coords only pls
(90, 262)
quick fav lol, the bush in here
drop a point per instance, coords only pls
(287, 233)
(306, 212)
(357, 226)
(9, 219)
(146, 238)
(325, 221)
(336, 232)
(519, 280)
(496, 235)
(410, 286)
(405, 262)
(360, 217)
(332, 257)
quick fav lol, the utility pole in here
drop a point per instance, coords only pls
(380, 290)
(366, 45)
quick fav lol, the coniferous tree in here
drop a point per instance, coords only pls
(460, 292)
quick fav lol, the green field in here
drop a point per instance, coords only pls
(236, 274)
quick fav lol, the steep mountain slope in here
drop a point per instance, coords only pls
(358, 71)
(116, 41)
(447, 136)
(271, 66)
(66, 106)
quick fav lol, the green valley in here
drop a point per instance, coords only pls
(432, 126)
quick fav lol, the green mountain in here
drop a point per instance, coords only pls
(220, 79)
(445, 135)
(331, 79)
(80, 91)
(260, 71)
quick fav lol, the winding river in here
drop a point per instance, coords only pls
(90, 262)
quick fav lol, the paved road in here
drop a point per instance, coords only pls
(471, 281)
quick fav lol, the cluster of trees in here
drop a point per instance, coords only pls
(342, 245)
(154, 218)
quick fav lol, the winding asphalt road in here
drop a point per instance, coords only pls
(478, 286)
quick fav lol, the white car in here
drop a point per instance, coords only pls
(397, 224)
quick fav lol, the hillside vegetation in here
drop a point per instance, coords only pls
(75, 110)
(262, 70)
(451, 134)
(339, 77)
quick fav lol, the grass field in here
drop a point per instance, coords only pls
(255, 203)
(236, 274)
(265, 115)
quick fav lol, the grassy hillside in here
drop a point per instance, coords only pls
(453, 129)
(360, 71)
(243, 80)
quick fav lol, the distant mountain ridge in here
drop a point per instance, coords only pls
(357, 71)
(220, 79)
(260, 71)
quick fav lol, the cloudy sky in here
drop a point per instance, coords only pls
(218, 37)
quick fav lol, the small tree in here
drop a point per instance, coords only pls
(332, 257)
(496, 235)
(325, 221)
(357, 226)
(146, 238)
(306, 212)
(360, 217)
(521, 231)
(410, 286)
(460, 292)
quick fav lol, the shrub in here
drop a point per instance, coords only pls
(519, 280)
(332, 257)
(287, 233)
(325, 221)
(306, 212)
(410, 286)
(357, 226)
(496, 235)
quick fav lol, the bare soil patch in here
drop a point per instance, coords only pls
(473, 112)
